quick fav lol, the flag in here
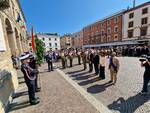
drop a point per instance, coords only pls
(33, 43)
(18, 18)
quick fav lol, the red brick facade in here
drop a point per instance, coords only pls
(104, 31)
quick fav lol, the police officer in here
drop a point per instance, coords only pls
(29, 76)
(49, 59)
(33, 65)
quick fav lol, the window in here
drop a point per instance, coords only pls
(130, 24)
(131, 15)
(29, 44)
(108, 31)
(56, 48)
(116, 20)
(49, 39)
(50, 44)
(130, 33)
(43, 39)
(144, 31)
(102, 25)
(108, 22)
(116, 29)
(55, 44)
(144, 21)
(55, 39)
(145, 11)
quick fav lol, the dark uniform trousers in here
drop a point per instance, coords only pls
(102, 72)
(146, 81)
(50, 66)
(31, 89)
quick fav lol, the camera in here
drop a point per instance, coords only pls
(145, 58)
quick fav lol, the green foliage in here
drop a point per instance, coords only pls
(39, 50)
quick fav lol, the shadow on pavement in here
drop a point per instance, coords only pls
(72, 72)
(78, 74)
(130, 105)
(17, 106)
(98, 88)
(16, 95)
(83, 83)
(84, 77)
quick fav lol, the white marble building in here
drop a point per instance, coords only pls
(136, 25)
(51, 41)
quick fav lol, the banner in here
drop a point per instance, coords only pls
(2, 40)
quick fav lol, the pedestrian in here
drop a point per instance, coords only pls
(79, 57)
(146, 77)
(96, 62)
(70, 56)
(49, 59)
(102, 65)
(29, 76)
(113, 67)
(83, 56)
(63, 60)
(91, 56)
(33, 65)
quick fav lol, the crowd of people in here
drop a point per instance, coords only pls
(94, 57)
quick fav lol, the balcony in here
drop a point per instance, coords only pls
(4, 4)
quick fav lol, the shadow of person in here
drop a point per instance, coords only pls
(84, 77)
(17, 106)
(98, 88)
(83, 83)
(72, 72)
(130, 105)
(78, 74)
(16, 95)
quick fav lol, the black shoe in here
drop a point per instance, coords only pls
(38, 90)
(110, 81)
(34, 102)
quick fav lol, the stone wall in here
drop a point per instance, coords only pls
(8, 80)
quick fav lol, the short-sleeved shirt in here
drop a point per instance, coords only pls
(147, 68)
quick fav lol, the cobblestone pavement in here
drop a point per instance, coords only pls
(123, 97)
(57, 96)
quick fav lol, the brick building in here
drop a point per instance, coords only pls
(103, 31)
(77, 39)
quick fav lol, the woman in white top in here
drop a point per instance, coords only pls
(102, 65)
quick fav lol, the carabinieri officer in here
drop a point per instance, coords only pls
(29, 76)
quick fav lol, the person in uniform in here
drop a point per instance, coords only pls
(70, 58)
(29, 76)
(79, 57)
(33, 65)
(49, 59)
(63, 60)
(83, 56)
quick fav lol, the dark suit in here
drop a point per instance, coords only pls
(91, 56)
(96, 63)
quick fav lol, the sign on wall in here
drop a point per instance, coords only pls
(2, 41)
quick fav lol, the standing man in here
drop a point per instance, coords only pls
(29, 76)
(113, 67)
(79, 57)
(49, 59)
(33, 65)
(83, 56)
(63, 60)
(96, 62)
(70, 58)
(91, 56)
(146, 76)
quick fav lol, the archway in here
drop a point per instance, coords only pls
(10, 37)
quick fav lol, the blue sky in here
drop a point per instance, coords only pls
(68, 16)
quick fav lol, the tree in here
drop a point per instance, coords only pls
(39, 50)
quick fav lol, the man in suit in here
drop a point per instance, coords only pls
(49, 59)
(96, 62)
(91, 56)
